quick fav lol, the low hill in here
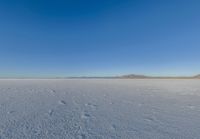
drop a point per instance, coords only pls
(197, 76)
(134, 76)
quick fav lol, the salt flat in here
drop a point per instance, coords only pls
(99, 109)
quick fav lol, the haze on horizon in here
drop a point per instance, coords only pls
(47, 38)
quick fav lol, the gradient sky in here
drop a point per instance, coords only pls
(48, 38)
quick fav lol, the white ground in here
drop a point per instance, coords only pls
(99, 109)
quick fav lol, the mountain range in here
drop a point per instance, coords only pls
(136, 76)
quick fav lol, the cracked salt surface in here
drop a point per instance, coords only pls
(99, 109)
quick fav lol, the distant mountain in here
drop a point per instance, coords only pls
(197, 76)
(135, 76)
(132, 76)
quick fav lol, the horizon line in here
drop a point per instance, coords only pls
(111, 76)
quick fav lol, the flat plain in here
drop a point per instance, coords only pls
(99, 108)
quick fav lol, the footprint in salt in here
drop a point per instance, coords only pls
(50, 112)
(82, 136)
(113, 127)
(92, 106)
(10, 112)
(62, 102)
(53, 92)
(150, 119)
(85, 115)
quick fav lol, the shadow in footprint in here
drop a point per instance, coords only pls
(113, 127)
(82, 136)
(62, 102)
(85, 116)
(50, 112)
(93, 106)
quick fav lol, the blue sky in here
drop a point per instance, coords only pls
(48, 38)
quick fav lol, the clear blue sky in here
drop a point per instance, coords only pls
(99, 37)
